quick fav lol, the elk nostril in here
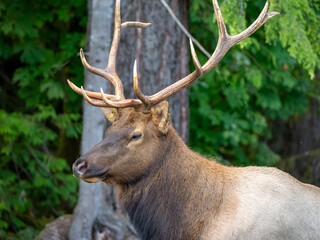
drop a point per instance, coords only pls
(81, 166)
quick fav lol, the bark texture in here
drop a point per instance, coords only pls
(162, 55)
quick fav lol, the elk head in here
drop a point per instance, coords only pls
(129, 148)
(138, 132)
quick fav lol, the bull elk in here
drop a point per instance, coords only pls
(171, 192)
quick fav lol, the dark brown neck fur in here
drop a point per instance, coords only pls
(177, 197)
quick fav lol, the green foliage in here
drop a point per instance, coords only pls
(32, 179)
(233, 107)
(298, 29)
(38, 49)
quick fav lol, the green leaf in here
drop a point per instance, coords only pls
(53, 89)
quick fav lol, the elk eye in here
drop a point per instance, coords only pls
(136, 136)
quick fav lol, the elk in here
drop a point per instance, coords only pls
(171, 192)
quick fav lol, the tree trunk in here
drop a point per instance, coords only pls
(162, 55)
(91, 198)
(298, 143)
(161, 52)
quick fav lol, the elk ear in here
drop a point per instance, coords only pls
(111, 114)
(161, 117)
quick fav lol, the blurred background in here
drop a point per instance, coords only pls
(259, 106)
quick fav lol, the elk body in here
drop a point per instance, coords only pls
(171, 192)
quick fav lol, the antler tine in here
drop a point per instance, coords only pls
(135, 25)
(146, 101)
(116, 39)
(108, 103)
(90, 94)
(263, 17)
(96, 103)
(120, 104)
(111, 67)
(221, 26)
(102, 73)
(195, 59)
(96, 71)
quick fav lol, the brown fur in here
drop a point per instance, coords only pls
(171, 192)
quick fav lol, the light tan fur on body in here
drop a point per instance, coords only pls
(270, 204)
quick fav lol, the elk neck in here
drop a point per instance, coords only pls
(177, 196)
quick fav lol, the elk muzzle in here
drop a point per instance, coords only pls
(82, 170)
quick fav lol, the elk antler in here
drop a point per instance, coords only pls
(225, 42)
(109, 72)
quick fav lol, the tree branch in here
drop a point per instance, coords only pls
(185, 31)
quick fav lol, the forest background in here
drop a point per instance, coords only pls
(259, 106)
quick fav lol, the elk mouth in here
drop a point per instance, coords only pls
(94, 176)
